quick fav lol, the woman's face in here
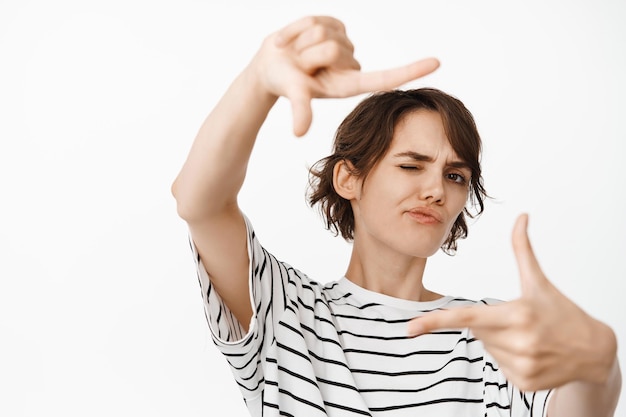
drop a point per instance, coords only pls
(414, 194)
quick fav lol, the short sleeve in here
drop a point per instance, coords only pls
(503, 398)
(246, 351)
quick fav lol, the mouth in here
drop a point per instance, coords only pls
(425, 215)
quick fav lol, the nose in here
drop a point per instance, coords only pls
(432, 188)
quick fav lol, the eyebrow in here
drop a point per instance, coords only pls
(419, 157)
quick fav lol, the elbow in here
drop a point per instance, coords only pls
(183, 205)
(194, 206)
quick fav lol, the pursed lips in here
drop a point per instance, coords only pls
(426, 215)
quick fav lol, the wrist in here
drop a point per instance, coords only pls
(254, 81)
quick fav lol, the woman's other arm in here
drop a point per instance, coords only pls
(543, 340)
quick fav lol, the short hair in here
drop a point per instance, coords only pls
(364, 137)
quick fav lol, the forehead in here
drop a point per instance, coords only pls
(422, 131)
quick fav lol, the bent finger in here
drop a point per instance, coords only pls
(327, 54)
(302, 113)
(319, 34)
(290, 32)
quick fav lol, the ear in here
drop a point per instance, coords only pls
(345, 180)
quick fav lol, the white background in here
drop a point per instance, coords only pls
(100, 309)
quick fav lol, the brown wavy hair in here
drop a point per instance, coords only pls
(364, 137)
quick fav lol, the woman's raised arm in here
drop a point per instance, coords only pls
(310, 58)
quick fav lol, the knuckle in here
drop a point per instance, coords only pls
(527, 346)
(311, 20)
(524, 316)
(340, 25)
(350, 47)
(318, 33)
(526, 372)
(525, 384)
(332, 52)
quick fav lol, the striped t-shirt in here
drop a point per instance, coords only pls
(337, 349)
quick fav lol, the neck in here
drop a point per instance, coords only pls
(389, 273)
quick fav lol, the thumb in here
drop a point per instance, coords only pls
(302, 113)
(527, 264)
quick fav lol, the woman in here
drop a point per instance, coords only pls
(376, 342)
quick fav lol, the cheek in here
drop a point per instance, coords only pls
(376, 193)
(451, 225)
(458, 199)
(457, 205)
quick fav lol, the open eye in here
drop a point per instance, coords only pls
(456, 178)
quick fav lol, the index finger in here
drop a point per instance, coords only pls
(394, 77)
(456, 318)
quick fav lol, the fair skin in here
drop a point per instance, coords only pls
(542, 340)
(310, 58)
(313, 58)
(406, 207)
